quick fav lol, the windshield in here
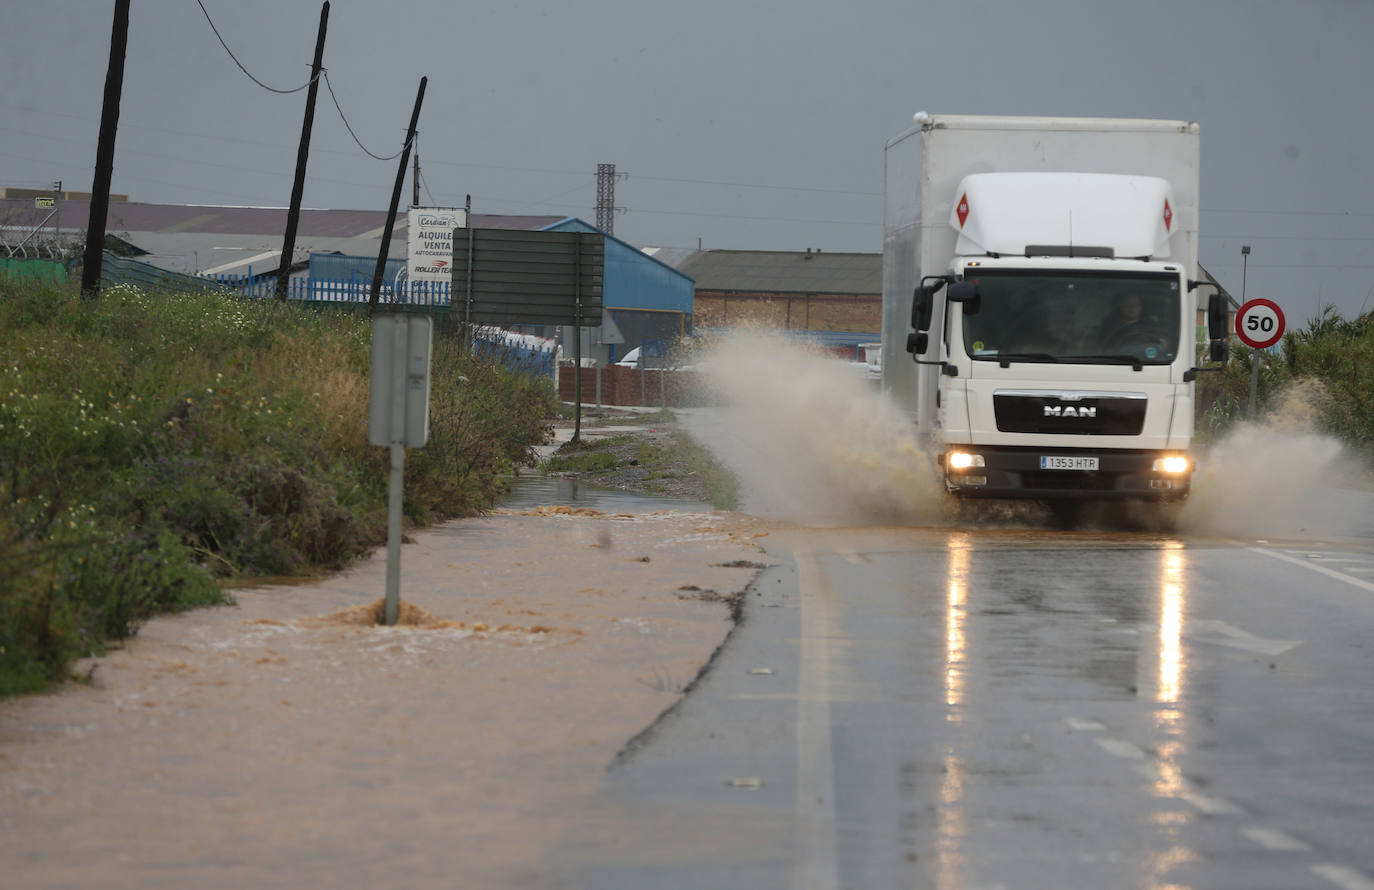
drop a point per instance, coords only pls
(1061, 316)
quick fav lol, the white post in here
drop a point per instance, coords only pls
(398, 462)
(393, 534)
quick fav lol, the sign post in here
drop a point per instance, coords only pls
(1259, 325)
(547, 278)
(429, 248)
(398, 416)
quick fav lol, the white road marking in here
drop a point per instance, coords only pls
(1121, 748)
(1344, 877)
(1273, 839)
(1220, 633)
(1212, 806)
(816, 861)
(1308, 564)
(1084, 725)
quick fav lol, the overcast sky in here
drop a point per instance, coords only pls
(748, 124)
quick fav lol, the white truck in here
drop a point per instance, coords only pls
(1042, 274)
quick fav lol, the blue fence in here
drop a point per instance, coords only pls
(345, 290)
(522, 357)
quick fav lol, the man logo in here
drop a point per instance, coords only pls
(1069, 411)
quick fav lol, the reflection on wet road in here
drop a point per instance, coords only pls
(1019, 709)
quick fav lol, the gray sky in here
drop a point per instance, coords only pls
(749, 124)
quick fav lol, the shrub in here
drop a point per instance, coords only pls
(151, 443)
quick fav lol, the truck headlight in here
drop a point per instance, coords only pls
(1174, 464)
(963, 460)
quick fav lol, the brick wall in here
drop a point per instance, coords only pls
(807, 312)
(632, 386)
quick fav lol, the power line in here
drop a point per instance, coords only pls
(791, 219)
(350, 129)
(323, 71)
(240, 64)
(754, 185)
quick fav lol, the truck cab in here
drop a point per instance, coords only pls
(1056, 353)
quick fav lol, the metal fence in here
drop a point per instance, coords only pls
(344, 290)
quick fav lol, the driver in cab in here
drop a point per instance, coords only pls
(1127, 321)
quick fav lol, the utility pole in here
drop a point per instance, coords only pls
(293, 215)
(104, 152)
(605, 197)
(57, 226)
(415, 180)
(395, 200)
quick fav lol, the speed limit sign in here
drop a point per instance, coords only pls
(1259, 323)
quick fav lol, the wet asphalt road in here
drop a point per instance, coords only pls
(969, 709)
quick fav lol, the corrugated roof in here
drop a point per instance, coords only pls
(195, 238)
(672, 256)
(792, 272)
(170, 218)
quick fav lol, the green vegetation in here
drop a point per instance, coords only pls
(668, 463)
(722, 488)
(580, 458)
(1330, 364)
(153, 446)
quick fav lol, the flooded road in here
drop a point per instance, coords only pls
(535, 490)
(287, 741)
(1001, 708)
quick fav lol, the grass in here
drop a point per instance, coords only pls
(722, 486)
(653, 464)
(155, 447)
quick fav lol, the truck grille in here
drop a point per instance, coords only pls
(1070, 413)
(1053, 480)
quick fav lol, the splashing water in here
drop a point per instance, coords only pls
(812, 440)
(1279, 477)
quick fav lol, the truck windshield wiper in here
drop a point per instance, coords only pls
(1004, 359)
(1135, 363)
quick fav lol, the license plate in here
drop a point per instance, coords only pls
(1055, 462)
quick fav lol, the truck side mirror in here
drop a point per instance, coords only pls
(965, 292)
(923, 306)
(916, 343)
(1217, 311)
(1220, 351)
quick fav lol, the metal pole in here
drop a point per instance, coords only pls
(399, 351)
(104, 152)
(393, 533)
(1254, 353)
(395, 200)
(467, 285)
(293, 215)
(57, 226)
(577, 339)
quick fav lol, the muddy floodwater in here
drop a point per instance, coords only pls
(286, 741)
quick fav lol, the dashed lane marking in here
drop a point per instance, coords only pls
(1082, 724)
(1273, 839)
(1212, 806)
(1121, 748)
(1344, 877)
